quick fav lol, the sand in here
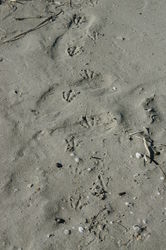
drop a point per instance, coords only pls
(82, 125)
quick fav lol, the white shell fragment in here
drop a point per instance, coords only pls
(81, 229)
(138, 155)
(127, 203)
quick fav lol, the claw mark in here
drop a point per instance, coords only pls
(69, 95)
(74, 50)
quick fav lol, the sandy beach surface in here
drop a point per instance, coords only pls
(82, 125)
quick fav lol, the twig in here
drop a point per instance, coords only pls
(152, 160)
(70, 3)
(31, 17)
(162, 171)
(40, 25)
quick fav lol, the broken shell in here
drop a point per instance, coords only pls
(81, 229)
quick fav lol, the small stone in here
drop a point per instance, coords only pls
(67, 232)
(30, 185)
(72, 154)
(138, 155)
(59, 165)
(81, 229)
(161, 178)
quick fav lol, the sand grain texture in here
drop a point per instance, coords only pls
(81, 96)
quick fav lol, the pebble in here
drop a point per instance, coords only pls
(81, 229)
(76, 159)
(30, 185)
(138, 155)
(161, 178)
